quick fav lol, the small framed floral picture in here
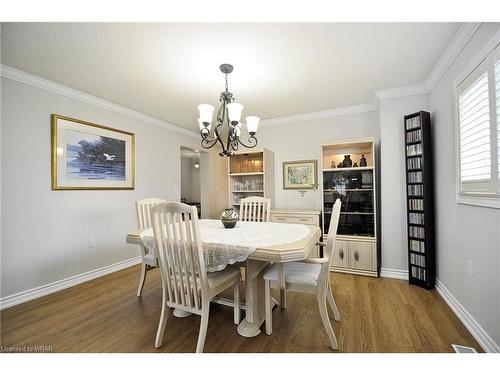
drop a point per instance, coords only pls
(300, 174)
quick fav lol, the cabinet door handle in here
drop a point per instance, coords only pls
(356, 255)
(304, 219)
(341, 254)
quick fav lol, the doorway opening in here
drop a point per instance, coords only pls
(191, 176)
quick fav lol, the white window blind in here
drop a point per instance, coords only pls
(497, 97)
(474, 129)
(477, 98)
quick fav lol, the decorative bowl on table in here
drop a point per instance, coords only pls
(229, 217)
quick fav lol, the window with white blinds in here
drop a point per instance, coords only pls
(475, 137)
(478, 127)
(497, 99)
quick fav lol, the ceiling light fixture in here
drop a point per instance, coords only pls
(229, 114)
(197, 160)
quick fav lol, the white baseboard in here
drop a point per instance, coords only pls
(481, 336)
(394, 274)
(475, 329)
(28, 295)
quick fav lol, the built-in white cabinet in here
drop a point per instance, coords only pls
(292, 216)
(353, 256)
(349, 174)
(250, 173)
(297, 216)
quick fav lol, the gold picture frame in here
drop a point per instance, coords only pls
(84, 164)
(300, 174)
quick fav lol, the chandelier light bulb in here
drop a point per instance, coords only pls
(234, 111)
(252, 124)
(206, 112)
(202, 126)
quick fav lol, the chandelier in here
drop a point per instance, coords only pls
(228, 121)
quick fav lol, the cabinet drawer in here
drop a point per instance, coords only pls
(293, 219)
(362, 255)
(340, 254)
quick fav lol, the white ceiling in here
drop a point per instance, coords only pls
(166, 70)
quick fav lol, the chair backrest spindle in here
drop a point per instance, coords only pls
(177, 236)
(255, 209)
(143, 208)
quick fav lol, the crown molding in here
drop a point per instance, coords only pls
(44, 84)
(397, 92)
(328, 113)
(462, 36)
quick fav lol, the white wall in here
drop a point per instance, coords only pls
(464, 232)
(393, 183)
(45, 233)
(302, 141)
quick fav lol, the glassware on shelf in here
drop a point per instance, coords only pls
(248, 184)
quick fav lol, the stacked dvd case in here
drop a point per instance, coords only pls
(420, 199)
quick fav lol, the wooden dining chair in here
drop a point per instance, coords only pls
(144, 221)
(255, 209)
(186, 283)
(308, 276)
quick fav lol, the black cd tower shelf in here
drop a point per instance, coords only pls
(420, 199)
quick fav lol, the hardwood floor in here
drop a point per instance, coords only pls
(104, 315)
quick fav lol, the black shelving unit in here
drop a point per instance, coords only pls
(420, 199)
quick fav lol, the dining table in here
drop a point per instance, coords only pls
(254, 245)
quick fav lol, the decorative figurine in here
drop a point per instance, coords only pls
(355, 165)
(332, 165)
(340, 165)
(362, 162)
(229, 217)
(347, 163)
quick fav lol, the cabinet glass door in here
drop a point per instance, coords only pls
(355, 190)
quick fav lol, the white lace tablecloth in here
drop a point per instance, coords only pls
(223, 246)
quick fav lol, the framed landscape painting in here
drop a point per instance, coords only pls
(301, 174)
(88, 156)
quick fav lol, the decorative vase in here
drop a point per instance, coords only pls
(332, 164)
(229, 217)
(362, 162)
(347, 163)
